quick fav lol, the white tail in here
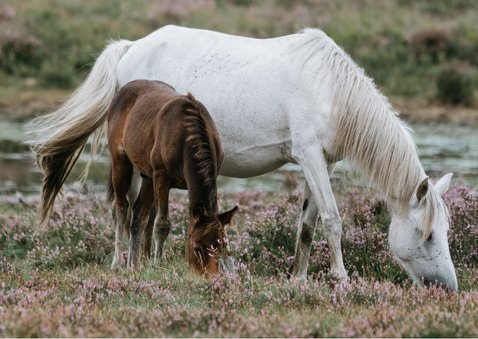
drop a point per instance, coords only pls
(59, 137)
(84, 108)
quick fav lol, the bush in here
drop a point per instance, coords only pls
(20, 55)
(15, 239)
(80, 232)
(57, 75)
(454, 87)
(430, 43)
(464, 46)
(463, 234)
(265, 249)
(365, 242)
(445, 7)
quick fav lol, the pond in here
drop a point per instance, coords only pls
(442, 149)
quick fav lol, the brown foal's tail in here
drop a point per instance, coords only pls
(59, 137)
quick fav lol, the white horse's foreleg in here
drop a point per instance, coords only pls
(316, 171)
(305, 232)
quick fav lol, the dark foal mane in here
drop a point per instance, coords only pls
(197, 136)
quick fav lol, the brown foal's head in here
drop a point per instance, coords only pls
(207, 243)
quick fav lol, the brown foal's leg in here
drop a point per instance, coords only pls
(161, 223)
(139, 221)
(121, 170)
(148, 233)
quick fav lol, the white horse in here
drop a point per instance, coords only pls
(298, 99)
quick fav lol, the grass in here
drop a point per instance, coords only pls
(57, 281)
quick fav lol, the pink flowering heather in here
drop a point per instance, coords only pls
(57, 281)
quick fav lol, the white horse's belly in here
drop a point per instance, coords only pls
(253, 161)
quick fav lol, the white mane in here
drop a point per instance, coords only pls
(368, 130)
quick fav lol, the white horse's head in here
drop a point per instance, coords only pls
(419, 238)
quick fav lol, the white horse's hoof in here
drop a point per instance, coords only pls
(299, 279)
(341, 276)
(115, 265)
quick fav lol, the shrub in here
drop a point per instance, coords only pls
(80, 233)
(389, 52)
(430, 43)
(265, 249)
(15, 239)
(365, 244)
(20, 55)
(454, 87)
(242, 2)
(445, 7)
(464, 45)
(57, 75)
(463, 234)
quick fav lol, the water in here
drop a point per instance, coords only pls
(442, 149)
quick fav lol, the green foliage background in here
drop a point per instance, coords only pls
(54, 42)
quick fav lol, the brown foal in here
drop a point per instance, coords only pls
(173, 142)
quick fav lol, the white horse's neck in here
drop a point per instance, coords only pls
(368, 131)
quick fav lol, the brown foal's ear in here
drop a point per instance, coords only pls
(226, 217)
(198, 211)
(422, 189)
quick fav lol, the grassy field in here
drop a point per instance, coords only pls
(420, 53)
(57, 282)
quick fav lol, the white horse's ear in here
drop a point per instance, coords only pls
(422, 189)
(442, 185)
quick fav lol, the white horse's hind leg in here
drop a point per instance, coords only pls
(316, 170)
(305, 235)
